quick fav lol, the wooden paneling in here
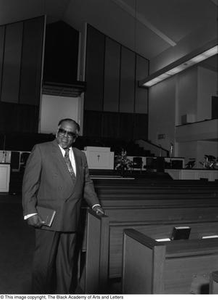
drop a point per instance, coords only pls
(176, 267)
(141, 97)
(94, 70)
(112, 76)
(159, 219)
(214, 112)
(126, 126)
(141, 266)
(214, 282)
(18, 118)
(92, 123)
(61, 53)
(12, 63)
(140, 126)
(25, 141)
(127, 81)
(180, 267)
(110, 125)
(93, 265)
(2, 37)
(31, 68)
(21, 48)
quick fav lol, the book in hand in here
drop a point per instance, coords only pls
(46, 214)
(181, 233)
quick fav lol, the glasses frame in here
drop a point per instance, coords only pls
(71, 134)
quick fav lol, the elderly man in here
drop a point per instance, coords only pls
(56, 178)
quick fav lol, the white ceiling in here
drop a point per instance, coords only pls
(153, 28)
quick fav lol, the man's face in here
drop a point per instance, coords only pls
(66, 134)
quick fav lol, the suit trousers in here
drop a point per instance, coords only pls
(53, 262)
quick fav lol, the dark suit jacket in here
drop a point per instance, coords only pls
(47, 182)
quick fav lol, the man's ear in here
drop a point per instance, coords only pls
(56, 134)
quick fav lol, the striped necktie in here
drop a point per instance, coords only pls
(68, 162)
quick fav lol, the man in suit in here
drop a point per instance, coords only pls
(59, 183)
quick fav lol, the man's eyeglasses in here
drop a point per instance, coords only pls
(70, 134)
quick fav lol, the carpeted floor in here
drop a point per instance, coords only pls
(16, 247)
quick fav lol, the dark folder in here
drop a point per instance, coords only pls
(46, 214)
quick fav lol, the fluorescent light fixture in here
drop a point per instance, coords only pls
(178, 66)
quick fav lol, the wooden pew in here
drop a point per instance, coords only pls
(135, 210)
(175, 267)
(153, 199)
(94, 275)
(143, 192)
(213, 287)
(109, 232)
(103, 183)
(150, 182)
(122, 218)
(131, 185)
(135, 188)
(121, 196)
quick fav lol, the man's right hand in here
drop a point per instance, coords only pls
(35, 221)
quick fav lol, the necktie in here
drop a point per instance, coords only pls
(68, 162)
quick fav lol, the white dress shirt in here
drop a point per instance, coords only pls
(71, 156)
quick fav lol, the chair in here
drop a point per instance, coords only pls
(23, 159)
(137, 163)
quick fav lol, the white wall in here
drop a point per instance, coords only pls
(162, 113)
(188, 151)
(55, 108)
(188, 92)
(186, 99)
(207, 87)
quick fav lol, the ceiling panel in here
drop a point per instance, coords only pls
(149, 27)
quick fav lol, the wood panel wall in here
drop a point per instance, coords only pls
(94, 71)
(111, 76)
(61, 53)
(21, 50)
(115, 106)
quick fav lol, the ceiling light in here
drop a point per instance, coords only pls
(178, 66)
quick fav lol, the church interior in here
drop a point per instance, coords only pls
(140, 77)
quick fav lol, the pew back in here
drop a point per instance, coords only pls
(175, 267)
(139, 210)
(162, 220)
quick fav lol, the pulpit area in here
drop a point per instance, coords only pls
(101, 158)
(4, 177)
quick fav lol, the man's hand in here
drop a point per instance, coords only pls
(99, 210)
(35, 221)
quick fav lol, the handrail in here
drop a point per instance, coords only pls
(156, 149)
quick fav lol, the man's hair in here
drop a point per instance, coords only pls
(69, 120)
